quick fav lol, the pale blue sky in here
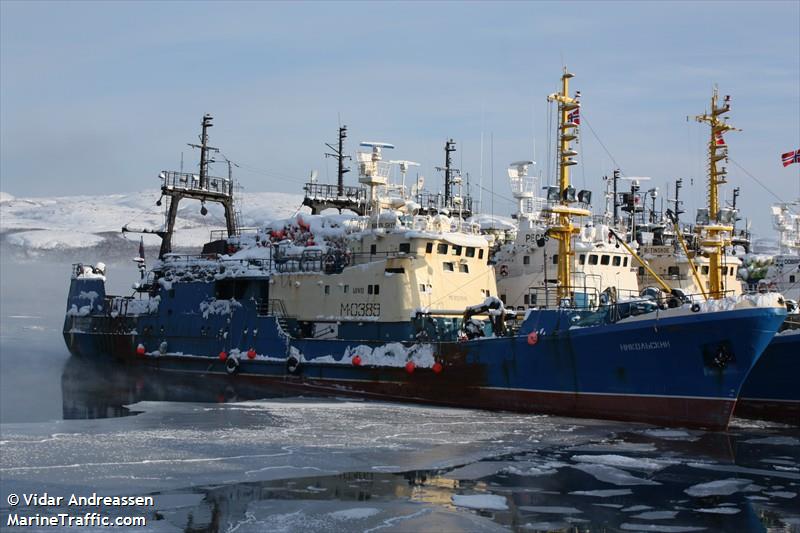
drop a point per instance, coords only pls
(101, 96)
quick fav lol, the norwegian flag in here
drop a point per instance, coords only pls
(575, 116)
(791, 157)
(719, 140)
(141, 247)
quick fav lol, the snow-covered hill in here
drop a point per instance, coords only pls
(39, 225)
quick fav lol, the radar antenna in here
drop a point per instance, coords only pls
(522, 186)
(404, 170)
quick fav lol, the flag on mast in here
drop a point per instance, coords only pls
(719, 140)
(791, 157)
(141, 248)
(575, 116)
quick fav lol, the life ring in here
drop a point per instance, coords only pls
(292, 364)
(533, 338)
(232, 365)
(504, 270)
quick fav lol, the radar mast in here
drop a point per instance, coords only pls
(715, 225)
(564, 229)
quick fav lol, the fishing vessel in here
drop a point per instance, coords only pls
(771, 391)
(398, 305)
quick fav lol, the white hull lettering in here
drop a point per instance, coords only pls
(639, 346)
(360, 309)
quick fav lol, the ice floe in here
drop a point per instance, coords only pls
(622, 461)
(719, 487)
(602, 493)
(660, 528)
(718, 510)
(656, 515)
(480, 501)
(615, 476)
(356, 513)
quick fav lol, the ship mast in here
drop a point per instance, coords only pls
(564, 230)
(717, 232)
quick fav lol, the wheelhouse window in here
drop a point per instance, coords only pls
(470, 251)
(463, 267)
(448, 266)
(405, 247)
(428, 247)
(616, 261)
(373, 248)
(592, 259)
(441, 249)
(624, 261)
(480, 253)
(526, 260)
(605, 259)
(555, 259)
(673, 271)
(582, 259)
(456, 249)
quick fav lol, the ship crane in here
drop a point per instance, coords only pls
(176, 186)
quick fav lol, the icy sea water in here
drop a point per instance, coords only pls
(217, 456)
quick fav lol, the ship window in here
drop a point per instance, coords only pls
(673, 271)
(405, 247)
(395, 270)
(373, 248)
(604, 259)
(369, 289)
(625, 261)
(526, 260)
(791, 279)
(463, 267)
(421, 287)
(555, 259)
(480, 253)
(526, 298)
(428, 247)
(503, 298)
(377, 289)
(470, 251)
(617, 261)
(327, 289)
(227, 289)
(582, 259)
(448, 266)
(441, 249)
(456, 249)
(346, 289)
(641, 271)
(705, 269)
(592, 259)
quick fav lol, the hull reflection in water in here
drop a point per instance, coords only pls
(103, 389)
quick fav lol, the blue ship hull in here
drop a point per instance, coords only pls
(772, 390)
(684, 370)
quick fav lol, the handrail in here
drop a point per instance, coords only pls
(171, 179)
